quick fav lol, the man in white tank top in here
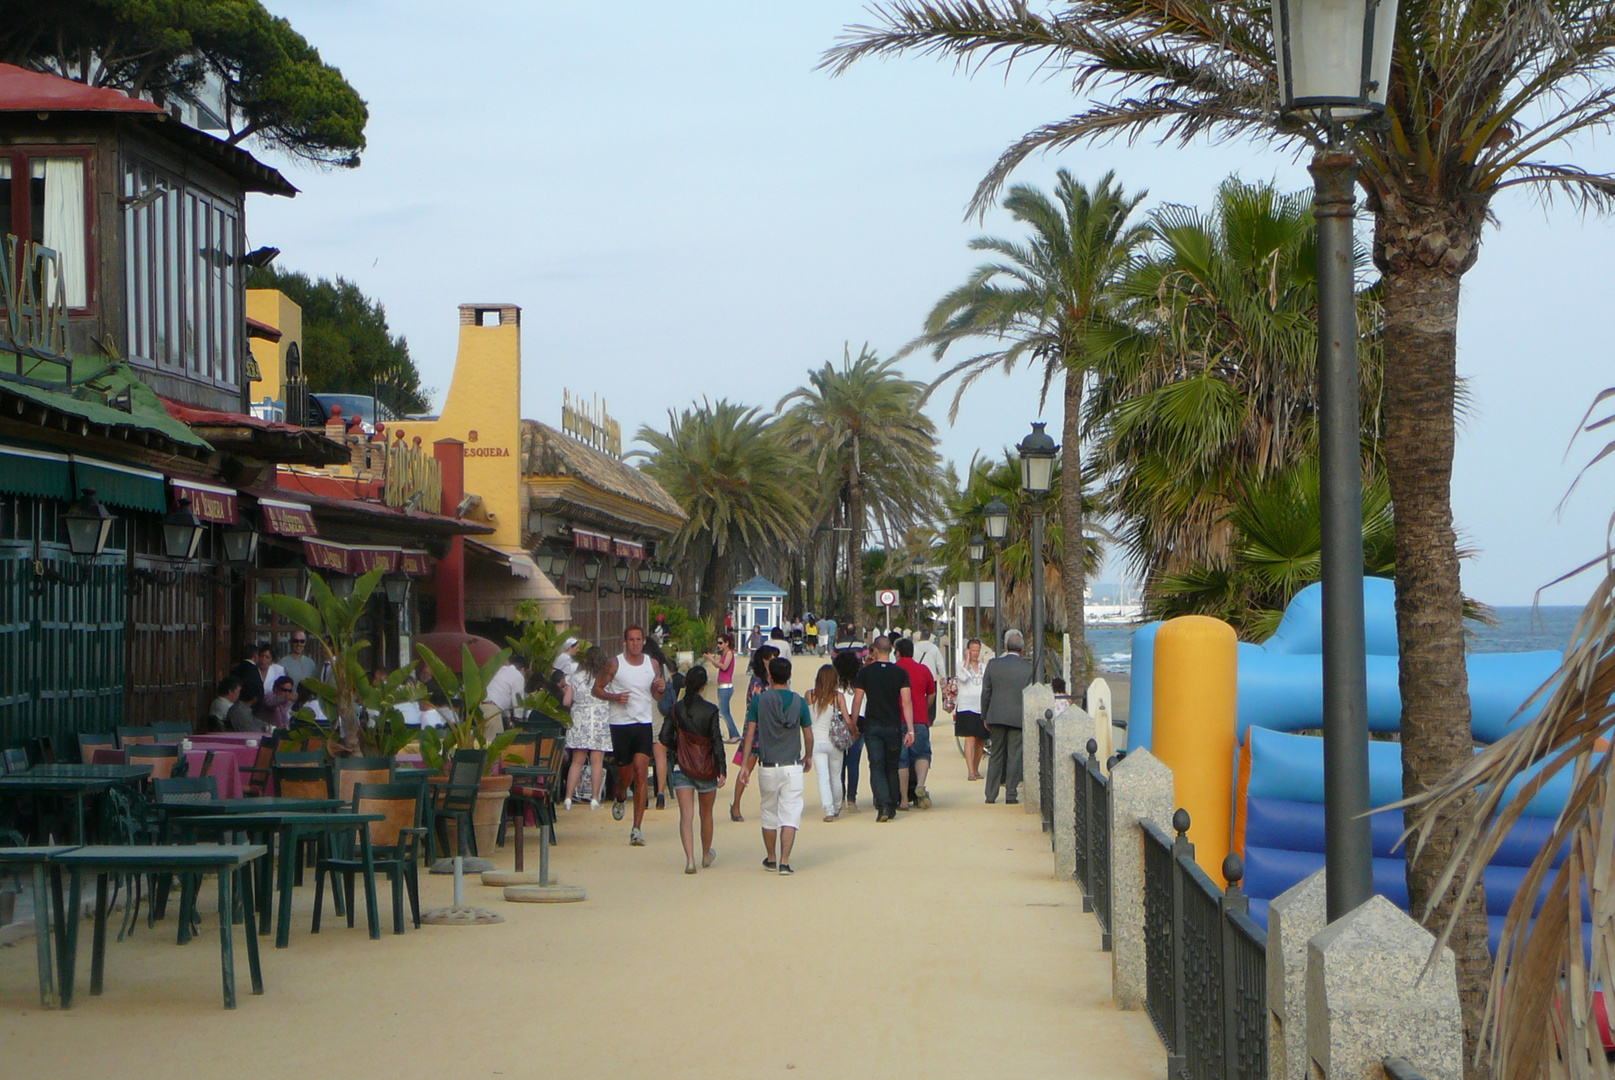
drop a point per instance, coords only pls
(631, 683)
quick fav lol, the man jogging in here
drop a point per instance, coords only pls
(779, 719)
(632, 683)
(883, 711)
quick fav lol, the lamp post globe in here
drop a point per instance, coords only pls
(88, 526)
(1334, 57)
(241, 543)
(1038, 452)
(181, 532)
(978, 548)
(996, 515)
(591, 570)
(620, 572)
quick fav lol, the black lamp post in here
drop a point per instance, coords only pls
(241, 542)
(1334, 68)
(181, 532)
(1037, 452)
(88, 526)
(978, 550)
(996, 514)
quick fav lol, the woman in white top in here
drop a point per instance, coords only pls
(967, 723)
(590, 733)
(823, 702)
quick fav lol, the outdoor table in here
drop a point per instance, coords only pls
(290, 826)
(227, 860)
(238, 737)
(49, 922)
(77, 781)
(244, 756)
(224, 769)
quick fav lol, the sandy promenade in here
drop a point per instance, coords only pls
(935, 946)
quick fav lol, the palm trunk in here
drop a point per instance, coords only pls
(711, 595)
(1072, 569)
(1424, 255)
(855, 542)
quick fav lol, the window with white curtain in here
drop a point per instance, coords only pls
(52, 213)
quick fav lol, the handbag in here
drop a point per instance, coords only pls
(695, 756)
(841, 735)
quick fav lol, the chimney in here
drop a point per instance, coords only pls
(450, 580)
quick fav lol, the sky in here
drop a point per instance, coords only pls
(684, 208)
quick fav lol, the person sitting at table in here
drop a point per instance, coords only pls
(228, 690)
(307, 699)
(278, 704)
(243, 716)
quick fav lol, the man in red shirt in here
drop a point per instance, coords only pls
(922, 684)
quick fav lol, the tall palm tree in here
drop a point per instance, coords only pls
(861, 430)
(1479, 91)
(736, 480)
(1042, 303)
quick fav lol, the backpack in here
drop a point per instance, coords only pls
(694, 754)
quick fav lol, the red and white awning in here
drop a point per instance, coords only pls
(288, 518)
(356, 559)
(583, 540)
(627, 549)
(208, 503)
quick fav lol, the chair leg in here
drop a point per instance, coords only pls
(414, 886)
(319, 901)
(397, 875)
(471, 833)
(347, 887)
(499, 840)
(521, 847)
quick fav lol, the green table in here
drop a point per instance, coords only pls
(76, 781)
(290, 826)
(227, 860)
(49, 921)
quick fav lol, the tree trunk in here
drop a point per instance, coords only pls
(711, 595)
(1424, 251)
(1072, 569)
(855, 543)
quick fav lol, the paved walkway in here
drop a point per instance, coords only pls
(933, 947)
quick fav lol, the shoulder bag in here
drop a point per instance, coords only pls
(695, 753)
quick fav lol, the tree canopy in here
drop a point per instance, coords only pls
(347, 344)
(273, 85)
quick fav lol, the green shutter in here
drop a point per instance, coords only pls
(118, 485)
(34, 472)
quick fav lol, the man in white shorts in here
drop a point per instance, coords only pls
(780, 721)
(632, 683)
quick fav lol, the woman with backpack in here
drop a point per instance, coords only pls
(831, 737)
(692, 735)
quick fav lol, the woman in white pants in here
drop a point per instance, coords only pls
(823, 701)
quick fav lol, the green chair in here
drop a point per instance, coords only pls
(90, 741)
(394, 850)
(162, 757)
(171, 731)
(312, 781)
(136, 736)
(361, 770)
(456, 801)
(302, 757)
(166, 792)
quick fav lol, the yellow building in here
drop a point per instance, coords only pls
(275, 330)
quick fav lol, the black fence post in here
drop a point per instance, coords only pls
(1181, 849)
(1085, 818)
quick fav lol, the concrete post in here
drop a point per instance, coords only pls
(1140, 790)
(1071, 730)
(1035, 700)
(1366, 1000)
(1293, 917)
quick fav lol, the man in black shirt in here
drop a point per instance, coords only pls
(883, 709)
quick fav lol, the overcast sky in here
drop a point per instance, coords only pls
(683, 206)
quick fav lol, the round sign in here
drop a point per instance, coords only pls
(886, 598)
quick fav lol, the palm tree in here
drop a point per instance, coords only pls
(736, 480)
(1042, 303)
(1480, 90)
(1209, 388)
(860, 430)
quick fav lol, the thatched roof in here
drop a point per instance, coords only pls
(547, 452)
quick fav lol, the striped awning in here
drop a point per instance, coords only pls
(121, 485)
(583, 540)
(287, 518)
(41, 473)
(208, 503)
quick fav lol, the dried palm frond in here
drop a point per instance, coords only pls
(1541, 997)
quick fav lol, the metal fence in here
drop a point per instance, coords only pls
(1205, 963)
(1045, 772)
(1092, 826)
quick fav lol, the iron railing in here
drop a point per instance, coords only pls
(1092, 827)
(1045, 771)
(1205, 963)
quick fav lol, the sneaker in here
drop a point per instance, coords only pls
(616, 810)
(905, 808)
(829, 817)
(786, 869)
(922, 799)
(661, 802)
(636, 838)
(594, 804)
(1012, 801)
(881, 816)
(769, 864)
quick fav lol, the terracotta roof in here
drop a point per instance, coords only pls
(344, 500)
(259, 329)
(22, 90)
(547, 452)
(264, 439)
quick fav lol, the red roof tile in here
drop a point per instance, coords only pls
(22, 90)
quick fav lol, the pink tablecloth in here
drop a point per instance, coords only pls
(244, 756)
(224, 769)
(226, 737)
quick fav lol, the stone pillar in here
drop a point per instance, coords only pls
(1366, 1000)
(1071, 730)
(1035, 700)
(1140, 790)
(1293, 917)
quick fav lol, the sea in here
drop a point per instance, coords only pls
(1518, 629)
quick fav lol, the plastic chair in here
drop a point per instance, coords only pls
(394, 850)
(171, 731)
(136, 736)
(257, 778)
(312, 781)
(162, 758)
(90, 741)
(536, 794)
(361, 770)
(457, 801)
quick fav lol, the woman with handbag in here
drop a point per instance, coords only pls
(831, 737)
(693, 735)
(967, 723)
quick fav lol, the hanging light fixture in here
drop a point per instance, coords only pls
(341, 586)
(181, 532)
(88, 526)
(397, 587)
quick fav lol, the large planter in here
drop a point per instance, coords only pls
(485, 818)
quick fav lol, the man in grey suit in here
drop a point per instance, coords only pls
(1001, 685)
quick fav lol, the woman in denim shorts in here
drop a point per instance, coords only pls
(693, 730)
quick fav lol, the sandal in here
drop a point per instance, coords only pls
(734, 815)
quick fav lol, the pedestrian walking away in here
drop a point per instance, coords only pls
(630, 684)
(885, 707)
(694, 741)
(722, 659)
(780, 721)
(967, 723)
(664, 705)
(590, 734)
(847, 666)
(1001, 685)
(746, 754)
(831, 736)
(916, 757)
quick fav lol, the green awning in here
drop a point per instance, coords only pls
(120, 485)
(34, 472)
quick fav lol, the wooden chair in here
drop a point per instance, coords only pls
(457, 801)
(162, 758)
(88, 741)
(171, 731)
(394, 846)
(361, 770)
(302, 757)
(310, 781)
(258, 777)
(136, 736)
(177, 789)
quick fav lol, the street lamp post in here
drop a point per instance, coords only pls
(996, 514)
(978, 548)
(1334, 68)
(1037, 452)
